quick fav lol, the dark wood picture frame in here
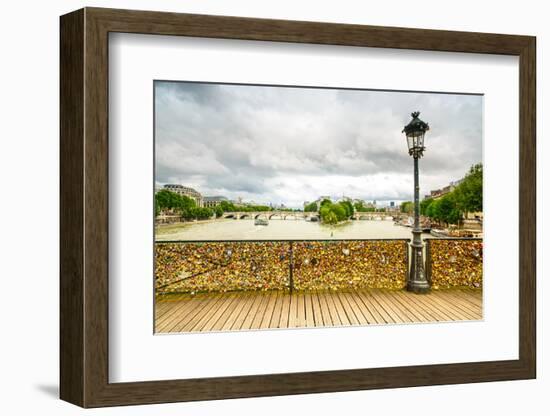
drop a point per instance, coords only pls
(84, 207)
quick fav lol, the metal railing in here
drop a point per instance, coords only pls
(229, 265)
(454, 262)
(198, 266)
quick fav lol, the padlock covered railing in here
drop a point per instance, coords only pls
(222, 266)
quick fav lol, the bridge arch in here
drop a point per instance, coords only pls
(293, 216)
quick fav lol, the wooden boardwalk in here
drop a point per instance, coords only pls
(276, 309)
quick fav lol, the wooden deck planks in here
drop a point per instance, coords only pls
(281, 309)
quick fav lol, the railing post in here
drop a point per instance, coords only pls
(429, 261)
(408, 259)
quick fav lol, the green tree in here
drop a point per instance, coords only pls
(328, 216)
(469, 193)
(407, 207)
(333, 213)
(166, 199)
(425, 205)
(311, 207)
(340, 211)
(201, 213)
(359, 206)
(448, 210)
(227, 206)
(218, 211)
(348, 206)
(157, 208)
(433, 210)
(325, 202)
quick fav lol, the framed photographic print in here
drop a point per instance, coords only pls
(255, 207)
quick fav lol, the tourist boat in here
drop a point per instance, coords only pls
(438, 232)
(466, 233)
(261, 221)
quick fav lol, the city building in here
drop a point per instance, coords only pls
(438, 193)
(186, 191)
(213, 201)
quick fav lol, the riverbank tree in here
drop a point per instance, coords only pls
(166, 200)
(359, 206)
(228, 206)
(452, 207)
(407, 207)
(311, 207)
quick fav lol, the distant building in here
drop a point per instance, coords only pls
(438, 193)
(186, 191)
(213, 201)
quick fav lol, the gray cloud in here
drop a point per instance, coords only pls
(287, 145)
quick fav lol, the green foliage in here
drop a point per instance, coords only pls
(157, 208)
(407, 207)
(201, 213)
(227, 206)
(448, 211)
(167, 200)
(325, 202)
(348, 206)
(253, 208)
(469, 193)
(328, 216)
(218, 211)
(333, 213)
(466, 197)
(340, 211)
(311, 207)
(360, 207)
(444, 209)
(432, 209)
(425, 205)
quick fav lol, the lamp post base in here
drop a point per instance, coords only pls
(418, 286)
(417, 281)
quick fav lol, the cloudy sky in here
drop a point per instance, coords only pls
(290, 145)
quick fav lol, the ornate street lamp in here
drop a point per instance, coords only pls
(415, 132)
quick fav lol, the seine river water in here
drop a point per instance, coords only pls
(280, 230)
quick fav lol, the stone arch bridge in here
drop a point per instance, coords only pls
(298, 215)
(271, 215)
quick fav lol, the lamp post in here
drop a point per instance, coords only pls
(415, 131)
